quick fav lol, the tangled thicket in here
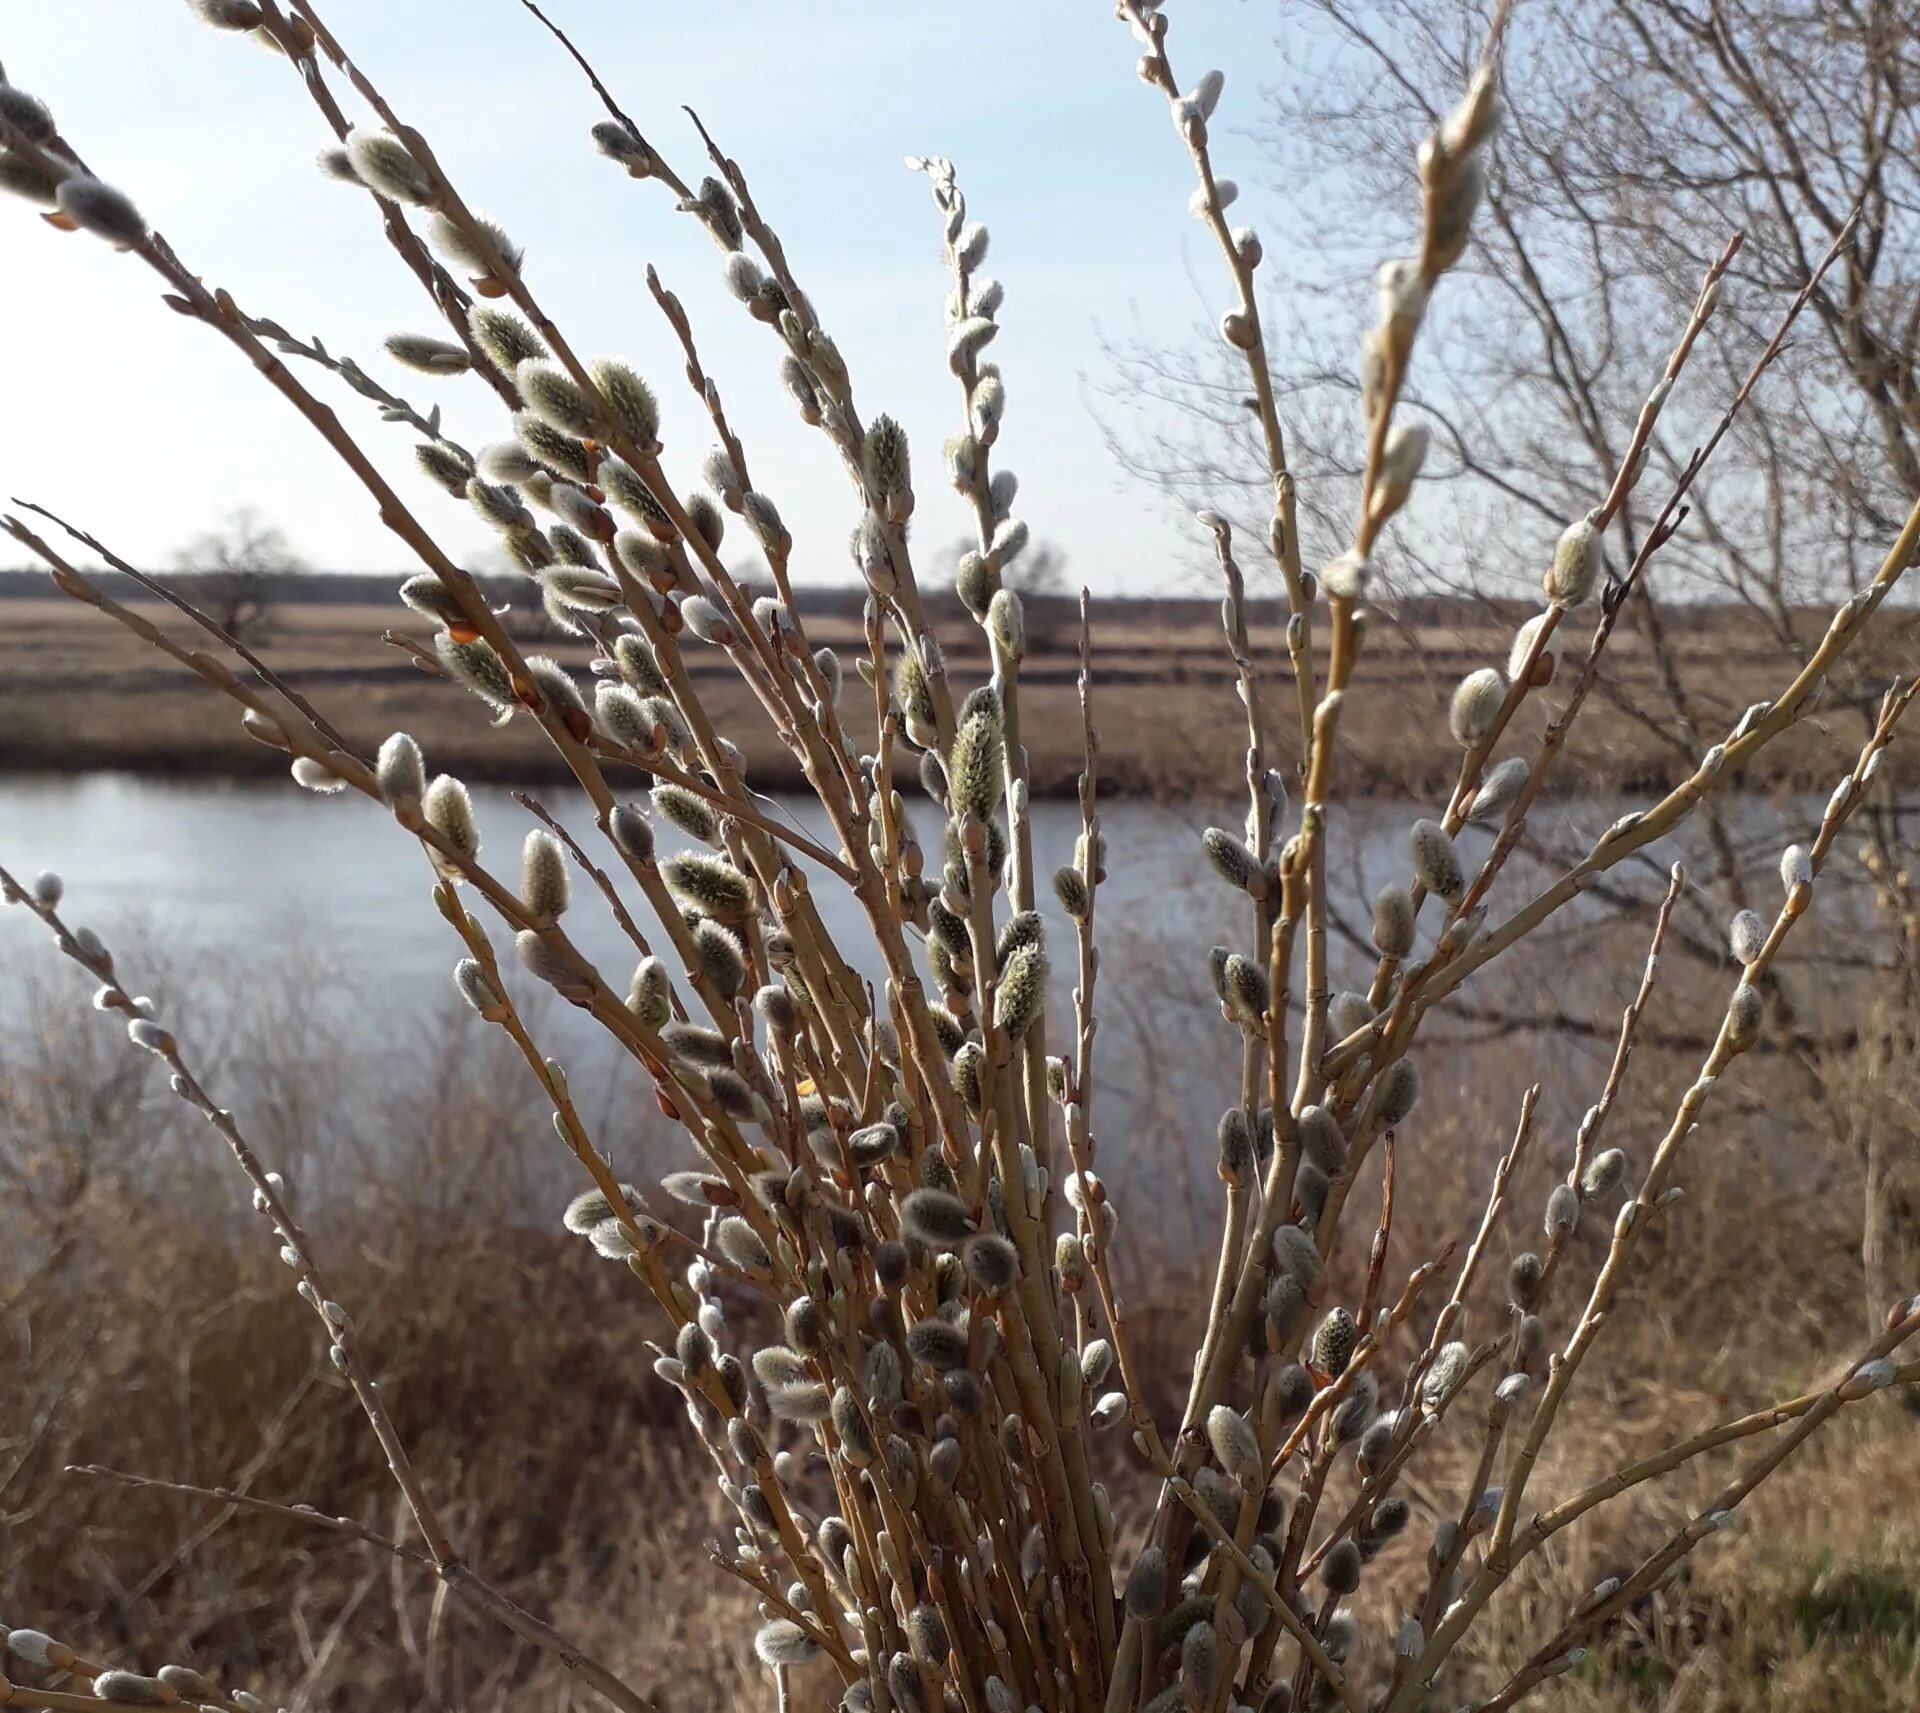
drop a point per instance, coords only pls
(896, 1328)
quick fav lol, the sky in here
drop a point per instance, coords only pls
(147, 428)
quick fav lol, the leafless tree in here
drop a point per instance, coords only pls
(1639, 136)
(237, 570)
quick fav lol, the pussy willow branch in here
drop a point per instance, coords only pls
(1429, 980)
(1657, 1566)
(1621, 842)
(1671, 515)
(393, 408)
(1655, 1464)
(1046, 1630)
(1310, 1645)
(262, 1507)
(1665, 1159)
(187, 1687)
(1665, 525)
(1637, 831)
(219, 311)
(841, 424)
(1596, 1115)
(1156, 69)
(445, 1561)
(1502, 1554)
(296, 41)
(1472, 765)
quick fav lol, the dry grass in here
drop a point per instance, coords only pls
(77, 693)
(148, 1330)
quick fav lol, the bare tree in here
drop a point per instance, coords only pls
(1776, 119)
(236, 569)
(1638, 138)
(1041, 568)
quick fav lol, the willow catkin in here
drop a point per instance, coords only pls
(1231, 859)
(1340, 1570)
(1199, 1664)
(401, 772)
(1499, 790)
(557, 398)
(1321, 1139)
(474, 664)
(1021, 991)
(1475, 706)
(1436, 864)
(1393, 920)
(1605, 1172)
(1146, 1586)
(782, 1642)
(1245, 991)
(130, 1689)
(936, 1218)
(1563, 1211)
(1747, 936)
(937, 1343)
(545, 887)
(1524, 640)
(628, 400)
(449, 811)
(1444, 1376)
(1575, 569)
(1333, 1342)
(1525, 1274)
(1296, 1255)
(1396, 1093)
(720, 957)
(976, 763)
(36, 1647)
(992, 1262)
(1235, 1445)
(691, 814)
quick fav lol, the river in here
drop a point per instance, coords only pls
(257, 899)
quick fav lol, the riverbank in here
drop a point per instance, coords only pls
(77, 692)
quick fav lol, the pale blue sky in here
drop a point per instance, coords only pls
(148, 427)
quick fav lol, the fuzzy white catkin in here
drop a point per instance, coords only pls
(1746, 936)
(1476, 705)
(100, 209)
(1576, 564)
(1402, 292)
(1499, 790)
(1523, 640)
(1346, 575)
(316, 776)
(401, 772)
(1436, 864)
(1405, 453)
(544, 883)
(1234, 1444)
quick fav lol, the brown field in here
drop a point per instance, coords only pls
(77, 691)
